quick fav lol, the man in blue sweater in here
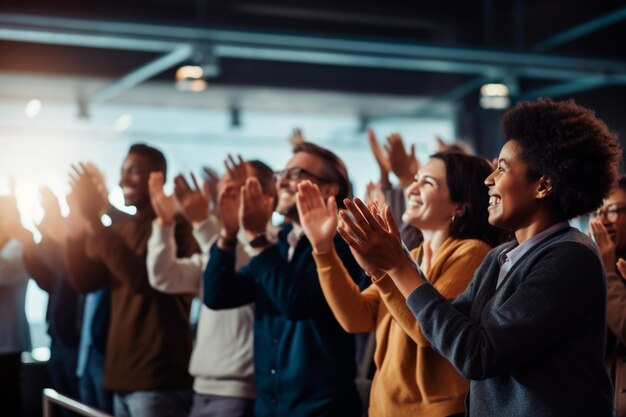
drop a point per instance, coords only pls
(304, 362)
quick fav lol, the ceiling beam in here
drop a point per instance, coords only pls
(317, 49)
(574, 86)
(581, 30)
(141, 74)
(567, 87)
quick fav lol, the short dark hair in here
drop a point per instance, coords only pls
(465, 178)
(571, 146)
(334, 169)
(265, 175)
(156, 157)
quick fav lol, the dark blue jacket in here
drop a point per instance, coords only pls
(44, 263)
(304, 361)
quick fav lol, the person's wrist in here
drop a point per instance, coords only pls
(259, 241)
(228, 234)
(198, 219)
(322, 247)
(252, 233)
(164, 221)
(227, 243)
(398, 267)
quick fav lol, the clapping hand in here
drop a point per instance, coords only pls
(210, 184)
(401, 163)
(317, 217)
(88, 198)
(381, 158)
(10, 220)
(372, 236)
(236, 171)
(394, 159)
(374, 193)
(52, 225)
(255, 208)
(605, 244)
(193, 200)
(164, 206)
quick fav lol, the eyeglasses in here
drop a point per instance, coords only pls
(296, 174)
(610, 213)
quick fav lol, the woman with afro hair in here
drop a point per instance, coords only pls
(529, 331)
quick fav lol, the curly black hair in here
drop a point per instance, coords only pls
(571, 146)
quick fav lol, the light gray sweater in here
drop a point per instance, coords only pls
(221, 361)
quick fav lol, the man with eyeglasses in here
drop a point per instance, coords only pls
(304, 362)
(609, 231)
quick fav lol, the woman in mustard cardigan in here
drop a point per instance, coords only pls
(447, 203)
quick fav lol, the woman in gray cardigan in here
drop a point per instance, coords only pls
(529, 331)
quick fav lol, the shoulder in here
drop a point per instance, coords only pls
(571, 242)
(458, 248)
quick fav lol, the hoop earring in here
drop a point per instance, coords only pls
(453, 218)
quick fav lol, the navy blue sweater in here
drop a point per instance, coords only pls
(534, 346)
(304, 362)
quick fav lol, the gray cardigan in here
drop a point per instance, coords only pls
(535, 346)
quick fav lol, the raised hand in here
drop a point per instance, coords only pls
(210, 186)
(374, 192)
(88, 197)
(373, 237)
(381, 158)
(236, 170)
(228, 211)
(98, 179)
(404, 165)
(164, 206)
(52, 225)
(621, 267)
(317, 218)
(255, 209)
(193, 201)
(10, 220)
(605, 244)
(75, 223)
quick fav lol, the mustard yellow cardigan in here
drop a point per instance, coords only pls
(411, 379)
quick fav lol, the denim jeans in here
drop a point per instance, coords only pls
(217, 406)
(90, 383)
(153, 403)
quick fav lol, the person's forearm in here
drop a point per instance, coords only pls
(167, 273)
(406, 277)
(355, 311)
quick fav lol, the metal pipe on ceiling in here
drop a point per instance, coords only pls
(244, 43)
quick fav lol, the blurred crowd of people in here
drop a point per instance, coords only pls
(482, 300)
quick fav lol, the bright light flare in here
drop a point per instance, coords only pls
(33, 108)
(123, 122)
(494, 90)
(194, 72)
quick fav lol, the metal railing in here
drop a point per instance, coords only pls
(51, 398)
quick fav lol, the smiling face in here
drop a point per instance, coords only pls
(616, 202)
(429, 207)
(134, 181)
(513, 202)
(312, 168)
